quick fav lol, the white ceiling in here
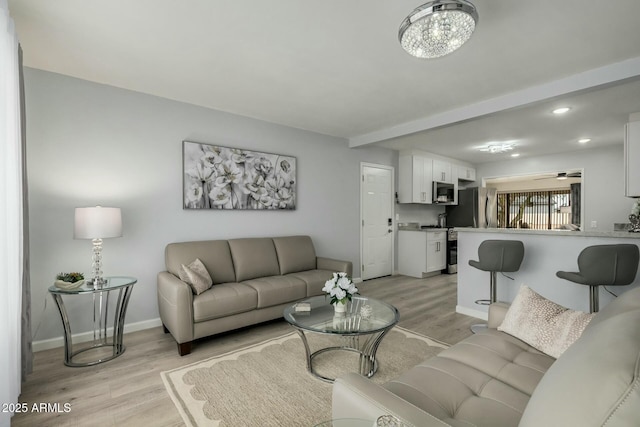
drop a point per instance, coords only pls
(336, 67)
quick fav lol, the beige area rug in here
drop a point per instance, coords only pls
(267, 384)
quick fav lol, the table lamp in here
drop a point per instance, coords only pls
(97, 223)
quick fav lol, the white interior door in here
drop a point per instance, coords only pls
(377, 236)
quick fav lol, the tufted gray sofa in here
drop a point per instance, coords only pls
(492, 379)
(253, 280)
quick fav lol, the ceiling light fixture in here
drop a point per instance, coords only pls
(561, 110)
(497, 148)
(584, 140)
(515, 155)
(437, 28)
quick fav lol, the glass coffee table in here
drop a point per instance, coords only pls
(362, 328)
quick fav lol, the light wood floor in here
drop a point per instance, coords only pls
(128, 391)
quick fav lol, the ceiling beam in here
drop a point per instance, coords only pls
(591, 79)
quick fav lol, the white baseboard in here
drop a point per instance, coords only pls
(88, 336)
(473, 313)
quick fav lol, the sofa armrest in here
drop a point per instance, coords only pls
(175, 303)
(334, 265)
(497, 311)
(354, 396)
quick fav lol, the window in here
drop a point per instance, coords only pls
(540, 210)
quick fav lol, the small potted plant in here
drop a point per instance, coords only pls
(69, 280)
(341, 289)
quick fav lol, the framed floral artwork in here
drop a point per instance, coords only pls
(216, 177)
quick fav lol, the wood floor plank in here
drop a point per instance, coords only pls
(128, 391)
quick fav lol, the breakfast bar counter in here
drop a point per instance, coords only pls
(545, 252)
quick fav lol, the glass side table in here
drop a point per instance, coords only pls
(101, 295)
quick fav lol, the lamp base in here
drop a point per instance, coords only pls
(97, 282)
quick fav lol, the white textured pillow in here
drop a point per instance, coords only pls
(543, 324)
(196, 275)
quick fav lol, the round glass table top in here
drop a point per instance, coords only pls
(363, 316)
(114, 282)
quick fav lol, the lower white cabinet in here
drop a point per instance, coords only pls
(436, 251)
(421, 253)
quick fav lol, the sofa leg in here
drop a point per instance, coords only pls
(184, 348)
(166, 331)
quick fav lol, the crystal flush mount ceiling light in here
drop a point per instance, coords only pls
(438, 28)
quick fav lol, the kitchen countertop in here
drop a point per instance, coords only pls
(617, 234)
(428, 229)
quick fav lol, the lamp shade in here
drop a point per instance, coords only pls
(97, 223)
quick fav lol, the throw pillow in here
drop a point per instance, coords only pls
(543, 324)
(197, 276)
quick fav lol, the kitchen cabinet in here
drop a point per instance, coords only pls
(414, 180)
(422, 253)
(442, 171)
(466, 174)
(436, 251)
(632, 159)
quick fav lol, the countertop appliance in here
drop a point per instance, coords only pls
(477, 207)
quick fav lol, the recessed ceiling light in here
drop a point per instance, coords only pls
(561, 110)
(515, 155)
(584, 140)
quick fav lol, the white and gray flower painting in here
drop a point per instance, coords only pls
(229, 178)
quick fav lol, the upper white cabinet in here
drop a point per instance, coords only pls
(425, 180)
(466, 174)
(442, 171)
(414, 179)
(632, 159)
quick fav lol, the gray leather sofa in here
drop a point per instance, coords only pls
(492, 379)
(253, 280)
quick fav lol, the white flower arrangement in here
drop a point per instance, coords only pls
(340, 288)
(635, 209)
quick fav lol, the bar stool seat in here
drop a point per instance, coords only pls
(604, 265)
(495, 256)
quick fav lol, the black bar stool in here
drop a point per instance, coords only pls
(497, 256)
(604, 265)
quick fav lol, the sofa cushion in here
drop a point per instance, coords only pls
(600, 373)
(315, 280)
(630, 302)
(214, 254)
(277, 290)
(224, 300)
(543, 324)
(295, 253)
(196, 276)
(485, 380)
(254, 257)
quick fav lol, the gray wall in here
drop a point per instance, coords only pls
(92, 144)
(603, 180)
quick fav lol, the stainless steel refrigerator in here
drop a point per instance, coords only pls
(477, 207)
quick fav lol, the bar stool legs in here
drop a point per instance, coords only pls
(594, 298)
